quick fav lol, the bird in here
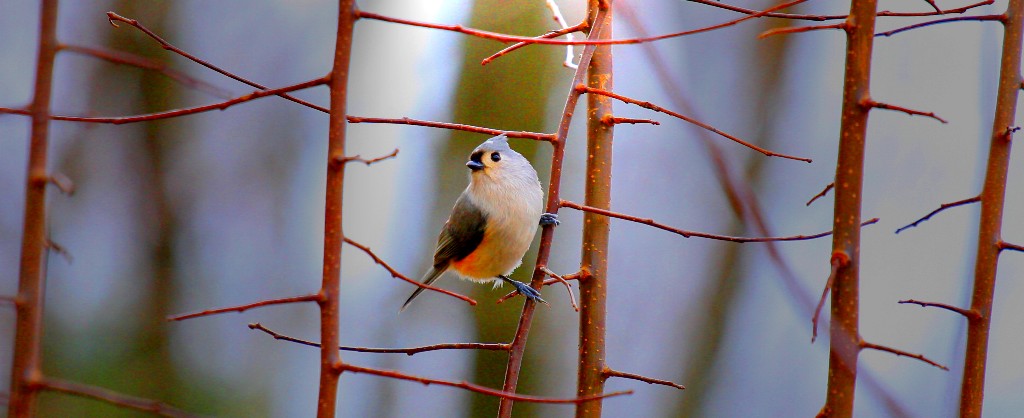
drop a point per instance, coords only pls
(493, 221)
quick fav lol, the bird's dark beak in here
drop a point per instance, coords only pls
(475, 165)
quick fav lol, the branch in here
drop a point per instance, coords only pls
(553, 34)
(830, 186)
(186, 111)
(579, 276)
(689, 234)
(113, 18)
(615, 373)
(838, 260)
(970, 314)
(1003, 245)
(865, 344)
(455, 126)
(562, 280)
(111, 397)
(656, 108)
(983, 18)
(613, 120)
(126, 58)
(800, 29)
(934, 6)
(408, 351)
(346, 160)
(556, 14)
(911, 112)
(62, 182)
(242, 308)
(59, 249)
(941, 208)
(738, 9)
(475, 388)
(506, 38)
(397, 275)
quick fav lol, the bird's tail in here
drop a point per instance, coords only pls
(432, 275)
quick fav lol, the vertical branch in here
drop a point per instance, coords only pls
(330, 360)
(992, 197)
(518, 346)
(844, 334)
(594, 258)
(26, 372)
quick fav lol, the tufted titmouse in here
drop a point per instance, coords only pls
(493, 221)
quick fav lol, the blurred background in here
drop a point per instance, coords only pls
(226, 208)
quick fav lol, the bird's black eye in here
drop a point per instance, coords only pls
(495, 157)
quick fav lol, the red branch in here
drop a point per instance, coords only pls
(689, 234)
(838, 260)
(911, 112)
(113, 18)
(475, 388)
(613, 120)
(822, 194)
(941, 208)
(111, 397)
(127, 58)
(615, 373)
(983, 18)
(242, 308)
(182, 112)
(721, 5)
(357, 158)
(970, 314)
(397, 275)
(799, 29)
(656, 108)
(455, 126)
(553, 34)
(865, 344)
(1003, 245)
(501, 37)
(408, 351)
(62, 182)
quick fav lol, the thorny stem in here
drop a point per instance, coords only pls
(993, 195)
(26, 370)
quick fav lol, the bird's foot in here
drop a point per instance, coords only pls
(524, 289)
(549, 219)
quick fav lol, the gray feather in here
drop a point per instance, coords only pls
(432, 275)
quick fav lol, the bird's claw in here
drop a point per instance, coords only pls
(525, 290)
(549, 219)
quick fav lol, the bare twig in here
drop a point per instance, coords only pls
(242, 308)
(656, 108)
(346, 160)
(113, 18)
(799, 29)
(1003, 245)
(934, 6)
(62, 182)
(568, 288)
(865, 344)
(721, 5)
(111, 397)
(455, 126)
(649, 380)
(477, 388)
(984, 18)
(969, 314)
(59, 249)
(557, 15)
(553, 34)
(613, 120)
(911, 112)
(941, 208)
(408, 351)
(501, 37)
(397, 275)
(822, 194)
(126, 58)
(838, 260)
(688, 234)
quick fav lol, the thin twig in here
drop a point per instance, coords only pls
(62, 182)
(501, 37)
(614, 120)
(397, 275)
(59, 249)
(649, 380)
(455, 126)
(656, 108)
(941, 208)
(474, 387)
(127, 58)
(689, 234)
(934, 6)
(822, 194)
(1003, 245)
(113, 18)
(970, 314)
(568, 288)
(111, 397)
(408, 351)
(346, 160)
(553, 34)
(865, 344)
(721, 5)
(838, 260)
(911, 112)
(799, 29)
(557, 15)
(983, 18)
(242, 308)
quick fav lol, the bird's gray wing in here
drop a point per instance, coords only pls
(461, 234)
